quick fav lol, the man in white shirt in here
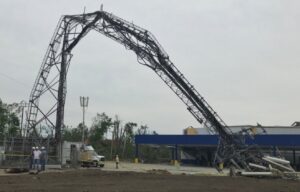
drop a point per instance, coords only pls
(36, 158)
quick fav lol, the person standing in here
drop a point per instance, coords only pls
(36, 158)
(43, 158)
(31, 162)
(117, 161)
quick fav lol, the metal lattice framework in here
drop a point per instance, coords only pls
(51, 80)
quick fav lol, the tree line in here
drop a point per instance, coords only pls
(108, 135)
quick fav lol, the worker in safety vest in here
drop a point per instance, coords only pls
(117, 161)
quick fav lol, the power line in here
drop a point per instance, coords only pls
(15, 80)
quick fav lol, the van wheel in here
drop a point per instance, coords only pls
(95, 164)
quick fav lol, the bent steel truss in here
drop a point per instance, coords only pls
(51, 80)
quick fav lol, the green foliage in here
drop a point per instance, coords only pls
(121, 140)
(154, 154)
(101, 124)
(150, 153)
(73, 134)
(143, 130)
(127, 140)
(9, 121)
(129, 131)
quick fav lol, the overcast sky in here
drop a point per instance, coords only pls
(242, 56)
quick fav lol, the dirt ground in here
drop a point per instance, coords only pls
(88, 180)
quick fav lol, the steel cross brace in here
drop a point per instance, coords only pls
(53, 72)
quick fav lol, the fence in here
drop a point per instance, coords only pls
(16, 152)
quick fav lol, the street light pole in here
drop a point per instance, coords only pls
(84, 102)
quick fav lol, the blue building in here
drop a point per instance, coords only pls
(198, 146)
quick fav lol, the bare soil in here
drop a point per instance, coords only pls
(96, 180)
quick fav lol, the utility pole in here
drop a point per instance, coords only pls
(84, 102)
(61, 92)
(23, 104)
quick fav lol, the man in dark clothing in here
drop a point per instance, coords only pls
(43, 158)
(31, 158)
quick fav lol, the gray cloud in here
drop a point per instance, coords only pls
(242, 56)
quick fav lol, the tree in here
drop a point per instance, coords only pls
(9, 121)
(101, 124)
(74, 134)
(129, 131)
(143, 130)
(13, 125)
(122, 138)
(116, 134)
(128, 138)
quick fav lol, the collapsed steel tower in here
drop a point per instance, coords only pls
(51, 80)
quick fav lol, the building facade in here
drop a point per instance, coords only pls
(198, 146)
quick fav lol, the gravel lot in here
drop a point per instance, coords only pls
(142, 178)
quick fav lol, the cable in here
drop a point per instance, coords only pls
(15, 80)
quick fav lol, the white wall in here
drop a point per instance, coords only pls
(276, 130)
(66, 151)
